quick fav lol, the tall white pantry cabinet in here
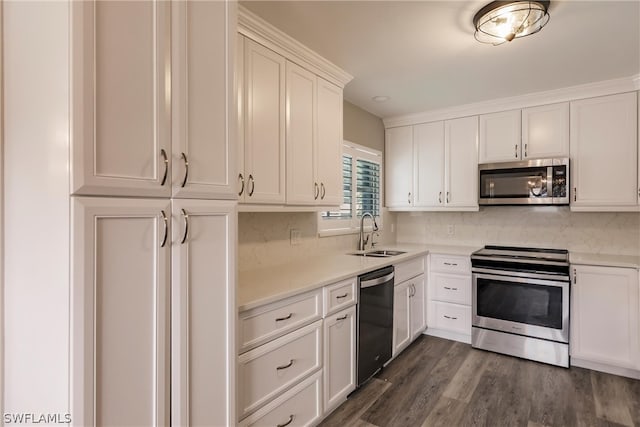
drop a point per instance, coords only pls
(120, 211)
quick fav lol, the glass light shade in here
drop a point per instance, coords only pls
(503, 21)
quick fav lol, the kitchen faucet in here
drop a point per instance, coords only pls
(362, 242)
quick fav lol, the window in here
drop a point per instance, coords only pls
(361, 189)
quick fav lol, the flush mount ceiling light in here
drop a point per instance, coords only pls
(503, 21)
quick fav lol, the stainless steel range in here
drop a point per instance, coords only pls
(521, 302)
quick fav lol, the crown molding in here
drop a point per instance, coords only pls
(260, 31)
(571, 93)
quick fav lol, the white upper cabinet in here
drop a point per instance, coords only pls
(545, 131)
(604, 153)
(461, 163)
(120, 105)
(302, 188)
(204, 116)
(500, 137)
(264, 124)
(399, 166)
(328, 152)
(428, 140)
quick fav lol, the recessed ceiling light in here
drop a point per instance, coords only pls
(380, 98)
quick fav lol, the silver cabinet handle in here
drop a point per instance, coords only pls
(241, 178)
(316, 191)
(288, 365)
(280, 319)
(575, 194)
(186, 169)
(447, 288)
(447, 197)
(450, 289)
(342, 318)
(342, 296)
(449, 317)
(574, 276)
(322, 191)
(525, 150)
(253, 185)
(186, 226)
(515, 148)
(409, 198)
(166, 229)
(289, 421)
(165, 159)
(451, 263)
(440, 197)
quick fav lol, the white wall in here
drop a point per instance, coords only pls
(36, 251)
(554, 227)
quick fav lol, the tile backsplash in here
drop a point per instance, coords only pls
(553, 227)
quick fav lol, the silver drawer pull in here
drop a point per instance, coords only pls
(288, 365)
(450, 289)
(449, 263)
(280, 319)
(341, 318)
(289, 421)
(342, 296)
(449, 317)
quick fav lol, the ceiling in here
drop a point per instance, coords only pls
(422, 54)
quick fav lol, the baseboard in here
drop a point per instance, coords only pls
(615, 370)
(455, 336)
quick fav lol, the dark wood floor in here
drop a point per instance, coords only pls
(436, 382)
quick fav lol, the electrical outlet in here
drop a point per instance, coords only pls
(295, 236)
(451, 230)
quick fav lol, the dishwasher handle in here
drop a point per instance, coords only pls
(377, 281)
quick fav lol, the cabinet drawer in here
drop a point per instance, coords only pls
(340, 295)
(451, 288)
(266, 371)
(451, 264)
(265, 323)
(409, 269)
(452, 317)
(301, 405)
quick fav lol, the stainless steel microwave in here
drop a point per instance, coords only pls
(532, 182)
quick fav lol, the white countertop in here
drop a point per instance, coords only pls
(262, 286)
(605, 260)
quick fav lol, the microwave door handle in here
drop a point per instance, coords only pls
(550, 182)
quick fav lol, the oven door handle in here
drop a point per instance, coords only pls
(377, 281)
(519, 279)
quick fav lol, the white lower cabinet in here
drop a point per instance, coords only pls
(401, 319)
(449, 297)
(417, 305)
(339, 357)
(604, 316)
(409, 304)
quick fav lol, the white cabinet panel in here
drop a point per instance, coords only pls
(120, 104)
(328, 151)
(409, 269)
(339, 357)
(120, 312)
(451, 288)
(264, 124)
(399, 166)
(203, 312)
(401, 317)
(604, 152)
(545, 131)
(604, 316)
(429, 164)
(500, 137)
(418, 306)
(204, 115)
(461, 163)
(300, 111)
(452, 317)
(340, 295)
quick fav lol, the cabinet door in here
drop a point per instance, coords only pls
(604, 145)
(120, 107)
(204, 115)
(545, 131)
(241, 183)
(120, 312)
(418, 306)
(329, 137)
(302, 189)
(339, 357)
(428, 145)
(399, 166)
(604, 316)
(264, 131)
(500, 137)
(203, 304)
(461, 163)
(401, 317)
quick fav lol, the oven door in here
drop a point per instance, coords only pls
(525, 306)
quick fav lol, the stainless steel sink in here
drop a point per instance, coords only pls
(379, 253)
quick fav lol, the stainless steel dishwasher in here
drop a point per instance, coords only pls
(375, 322)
